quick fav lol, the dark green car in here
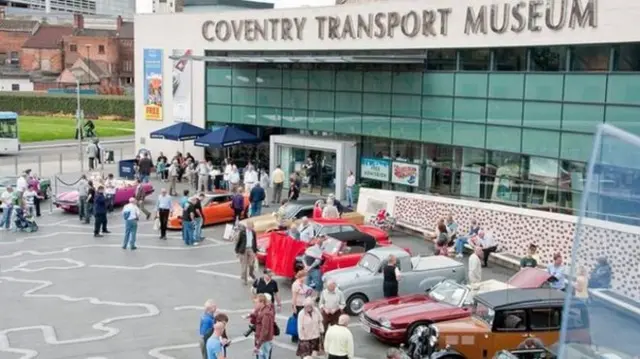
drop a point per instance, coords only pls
(45, 185)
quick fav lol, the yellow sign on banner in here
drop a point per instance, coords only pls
(153, 112)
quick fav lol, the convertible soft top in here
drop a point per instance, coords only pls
(355, 237)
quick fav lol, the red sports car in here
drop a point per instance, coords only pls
(340, 250)
(327, 227)
(395, 320)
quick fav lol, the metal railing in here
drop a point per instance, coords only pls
(57, 161)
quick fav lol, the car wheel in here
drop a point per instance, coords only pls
(355, 304)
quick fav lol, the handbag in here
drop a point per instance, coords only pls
(228, 232)
(292, 326)
(156, 224)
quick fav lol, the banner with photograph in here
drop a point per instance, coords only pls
(375, 169)
(152, 63)
(181, 77)
(405, 173)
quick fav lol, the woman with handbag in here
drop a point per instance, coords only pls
(299, 291)
(310, 329)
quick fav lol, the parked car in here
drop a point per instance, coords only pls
(363, 283)
(294, 211)
(216, 208)
(45, 185)
(328, 227)
(395, 320)
(505, 319)
(340, 250)
(68, 201)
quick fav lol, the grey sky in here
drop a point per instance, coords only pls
(145, 6)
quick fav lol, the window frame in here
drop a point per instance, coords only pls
(547, 328)
(73, 48)
(501, 315)
(101, 49)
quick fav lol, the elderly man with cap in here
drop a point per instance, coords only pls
(332, 303)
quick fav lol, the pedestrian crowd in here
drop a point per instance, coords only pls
(22, 202)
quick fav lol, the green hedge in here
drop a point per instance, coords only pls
(94, 106)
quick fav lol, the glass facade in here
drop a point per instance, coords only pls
(506, 125)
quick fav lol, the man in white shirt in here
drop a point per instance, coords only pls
(475, 266)
(83, 196)
(131, 215)
(109, 191)
(332, 304)
(203, 176)
(351, 181)
(21, 185)
(338, 340)
(306, 230)
(6, 203)
(234, 179)
(488, 246)
(250, 179)
(227, 174)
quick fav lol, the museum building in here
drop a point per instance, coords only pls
(491, 101)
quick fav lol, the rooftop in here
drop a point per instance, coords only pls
(126, 31)
(18, 25)
(234, 3)
(94, 32)
(48, 37)
(521, 297)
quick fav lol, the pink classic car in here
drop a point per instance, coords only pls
(68, 201)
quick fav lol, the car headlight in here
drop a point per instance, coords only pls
(385, 323)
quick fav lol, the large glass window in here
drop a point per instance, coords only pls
(475, 59)
(376, 147)
(571, 184)
(507, 183)
(442, 60)
(590, 58)
(439, 175)
(406, 151)
(540, 191)
(627, 57)
(548, 58)
(510, 59)
(8, 129)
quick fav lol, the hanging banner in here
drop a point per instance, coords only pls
(152, 62)
(182, 72)
(375, 169)
(405, 173)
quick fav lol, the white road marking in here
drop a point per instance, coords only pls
(219, 274)
(48, 332)
(158, 352)
(22, 267)
(152, 265)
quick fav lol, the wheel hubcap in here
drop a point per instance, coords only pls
(356, 305)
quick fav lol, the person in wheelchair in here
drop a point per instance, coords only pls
(24, 221)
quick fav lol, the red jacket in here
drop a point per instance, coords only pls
(264, 320)
(317, 212)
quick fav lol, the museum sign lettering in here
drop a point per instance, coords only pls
(514, 17)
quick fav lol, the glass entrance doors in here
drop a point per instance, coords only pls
(314, 170)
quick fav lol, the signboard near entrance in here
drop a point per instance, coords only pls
(375, 169)
(152, 67)
(406, 174)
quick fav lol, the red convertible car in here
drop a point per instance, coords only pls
(395, 320)
(340, 250)
(322, 227)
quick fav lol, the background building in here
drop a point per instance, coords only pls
(88, 7)
(486, 113)
(200, 6)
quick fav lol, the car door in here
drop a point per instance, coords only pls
(408, 283)
(223, 211)
(544, 324)
(509, 330)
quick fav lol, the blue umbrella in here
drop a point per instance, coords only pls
(225, 137)
(180, 131)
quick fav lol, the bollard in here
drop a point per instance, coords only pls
(60, 163)
(39, 165)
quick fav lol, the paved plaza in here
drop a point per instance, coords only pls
(67, 295)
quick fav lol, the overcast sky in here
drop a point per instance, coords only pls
(145, 6)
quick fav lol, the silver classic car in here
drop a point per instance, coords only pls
(363, 282)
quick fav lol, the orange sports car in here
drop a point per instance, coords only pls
(216, 208)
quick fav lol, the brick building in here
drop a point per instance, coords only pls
(126, 51)
(13, 34)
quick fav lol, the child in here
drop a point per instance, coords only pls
(161, 168)
(185, 199)
(29, 198)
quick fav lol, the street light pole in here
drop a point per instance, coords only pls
(79, 125)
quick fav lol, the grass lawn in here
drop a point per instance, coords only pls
(45, 128)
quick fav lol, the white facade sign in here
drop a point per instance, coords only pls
(405, 173)
(375, 169)
(181, 85)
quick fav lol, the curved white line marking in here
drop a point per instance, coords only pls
(69, 249)
(218, 274)
(49, 333)
(23, 266)
(22, 239)
(152, 265)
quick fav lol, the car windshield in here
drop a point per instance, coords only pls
(331, 246)
(290, 211)
(484, 313)
(449, 292)
(8, 181)
(370, 262)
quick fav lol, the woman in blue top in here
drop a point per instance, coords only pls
(460, 242)
(185, 199)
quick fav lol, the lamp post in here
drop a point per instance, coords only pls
(77, 75)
